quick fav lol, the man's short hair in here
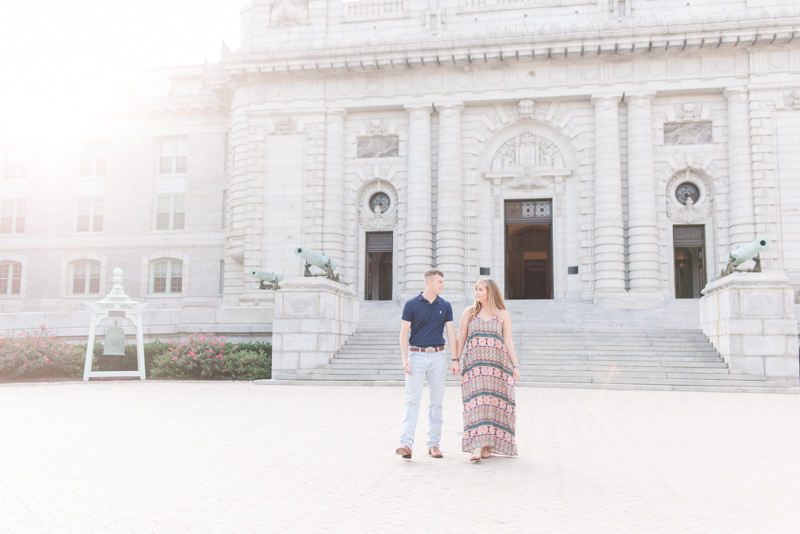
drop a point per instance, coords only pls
(430, 273)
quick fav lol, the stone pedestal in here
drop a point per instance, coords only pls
(749, 317)
(313, 319)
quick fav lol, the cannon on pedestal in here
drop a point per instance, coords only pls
(319, 260)
(268, 280)
(750, 251)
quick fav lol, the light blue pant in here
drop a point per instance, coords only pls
(432, 366)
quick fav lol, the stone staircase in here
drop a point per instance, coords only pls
(564, 344)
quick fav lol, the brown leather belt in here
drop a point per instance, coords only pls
(426, 349)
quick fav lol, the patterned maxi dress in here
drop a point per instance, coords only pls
(487, 390)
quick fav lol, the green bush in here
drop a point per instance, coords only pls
(39, 354)
(210, 358)
(35, 354)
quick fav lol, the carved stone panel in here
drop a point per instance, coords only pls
(688, 133)
(386, 146)
(377, 206)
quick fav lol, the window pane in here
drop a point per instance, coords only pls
(160, 277)
(86, 167)
(100, 167)
(167, 149)
(10, 171)
(179, 217)
(163, 204)
(79, 279)
(176, 280)
(84, 206)
(166, 166)
(162, 221)
(98, 215)
(183, 147)
(23, 171)
(83, 223)
(94, 280)
(4, 277)
(181, 164)
(16, 278)
(7, 219)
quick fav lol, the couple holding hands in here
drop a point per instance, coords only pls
(483, 353)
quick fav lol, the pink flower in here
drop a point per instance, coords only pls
(180, 344)
(202, 337)
(20, 334)
(218, 356)
(194, 358)
(174, 357)
(192, 353)
(24, 365)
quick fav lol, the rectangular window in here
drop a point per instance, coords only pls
(79, 279)
(90, 215)
(167, 277)
(15, 162)
(12, 217)
(174, 156)
(170, 212)
(93, 158)
(221, 276)
(224, 209)
(176, 278)
(160, 277)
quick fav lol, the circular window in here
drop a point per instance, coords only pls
(379, 203)
(687, 190)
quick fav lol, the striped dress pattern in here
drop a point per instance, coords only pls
(487, 390)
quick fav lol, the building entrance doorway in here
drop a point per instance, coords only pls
(529, 249)
(378, 284)
(689, 253)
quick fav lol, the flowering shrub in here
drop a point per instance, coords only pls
(209, 357)
(37, 353)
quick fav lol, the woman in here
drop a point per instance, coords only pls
(490, 371)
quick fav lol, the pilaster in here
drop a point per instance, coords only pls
(333, 203)
(742, 222)
(450, 218)
(419, 227)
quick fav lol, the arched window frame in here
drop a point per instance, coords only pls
(149, 263)
(68, 264)
(15, 262)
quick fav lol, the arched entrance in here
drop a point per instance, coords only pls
(529, 249)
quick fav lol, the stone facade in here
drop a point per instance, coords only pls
(448, 109)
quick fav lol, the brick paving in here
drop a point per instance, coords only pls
(235, 457)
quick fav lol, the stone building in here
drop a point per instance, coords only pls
(612, 151)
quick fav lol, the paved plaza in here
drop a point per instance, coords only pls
(219, 457)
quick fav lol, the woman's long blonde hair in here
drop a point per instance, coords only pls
(496, 301)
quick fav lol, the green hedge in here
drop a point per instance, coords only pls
(36, 354)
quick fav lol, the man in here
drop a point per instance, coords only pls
(425, 318)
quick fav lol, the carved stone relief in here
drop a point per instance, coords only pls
(526, 109)
(688, 133)
(386, 146)
(377, 206)
(285, 125)
(792, 99)
(527, 161)
(688, 112)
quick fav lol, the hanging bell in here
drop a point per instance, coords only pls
(114, 343)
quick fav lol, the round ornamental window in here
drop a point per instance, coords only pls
(685, 191)
(379, 203)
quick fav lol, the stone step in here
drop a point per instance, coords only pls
(552, 365)
(528, 368)
(566, 345)
(566, 375)
(742, 381)
(555, 352)
(555, 358)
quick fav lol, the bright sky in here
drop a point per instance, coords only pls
(62, 59)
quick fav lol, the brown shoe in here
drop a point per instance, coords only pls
(404, 452)
(435, 452)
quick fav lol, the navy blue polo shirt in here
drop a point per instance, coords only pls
(427, 320)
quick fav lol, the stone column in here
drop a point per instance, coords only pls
(609, 238)
(742, 225)
(333, 204)
(419, 223)
(642, 225)
(450, 216)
